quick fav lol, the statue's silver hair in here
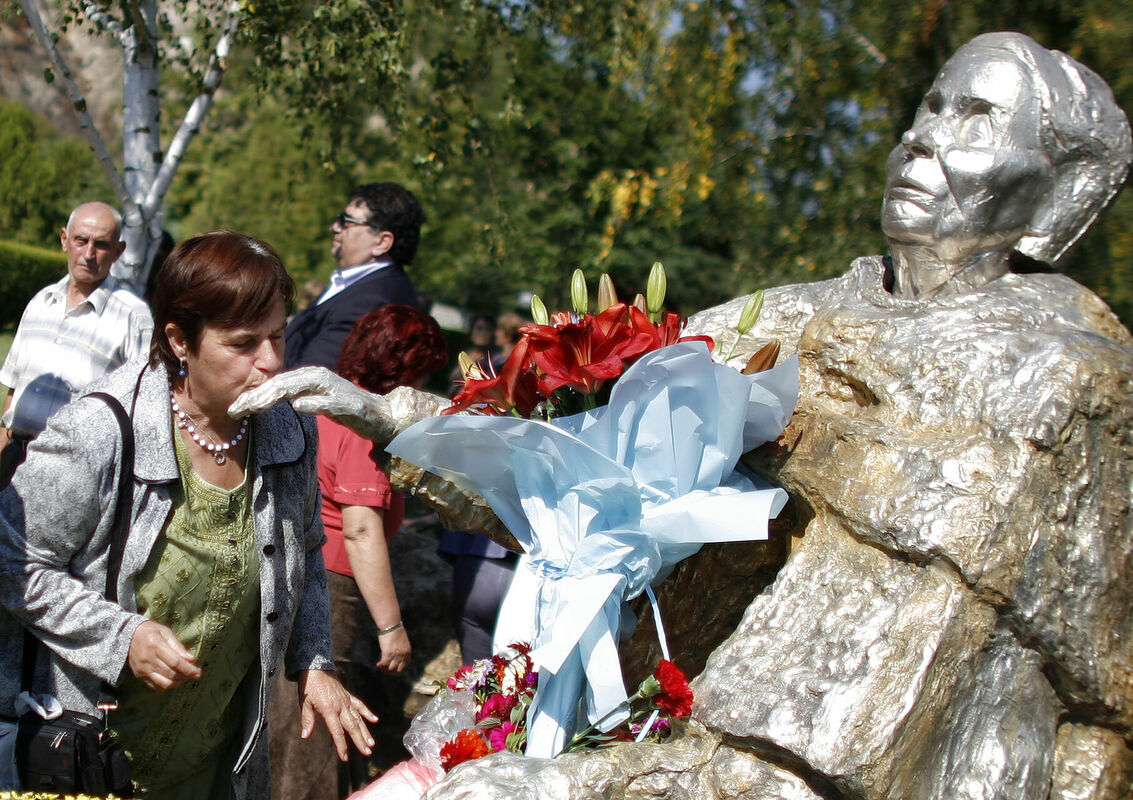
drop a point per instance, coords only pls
(1085, 134)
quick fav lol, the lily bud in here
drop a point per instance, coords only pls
(607, 295)
(539, 313)
(466, 363)
(639, 303)
(655, 289)
(579, 295)
(469, 368)
(750, 313)
(763, 359)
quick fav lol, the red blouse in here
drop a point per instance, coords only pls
(349, 477)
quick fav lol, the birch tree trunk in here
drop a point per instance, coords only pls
(141, 142)
(146, 173)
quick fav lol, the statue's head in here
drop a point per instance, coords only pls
(1015, 147)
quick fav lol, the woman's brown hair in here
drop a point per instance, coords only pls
(219, 278)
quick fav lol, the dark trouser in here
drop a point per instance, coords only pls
(309, 769)
(478, 588)
(11, 457)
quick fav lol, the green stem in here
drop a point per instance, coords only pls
(735, 344)
(627, 703)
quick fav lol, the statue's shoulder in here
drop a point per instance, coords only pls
(787, 309)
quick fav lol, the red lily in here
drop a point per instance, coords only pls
(584, 354)
(668, 330)
(514, 389)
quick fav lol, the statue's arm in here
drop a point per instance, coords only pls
(317, 390)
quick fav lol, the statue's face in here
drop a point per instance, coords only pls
(971, 172)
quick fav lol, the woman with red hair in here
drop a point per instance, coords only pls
(394, 346)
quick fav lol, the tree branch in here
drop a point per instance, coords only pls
(79, 107)
(142, 23)
(190, 126)
(101, 18)
(867, 45)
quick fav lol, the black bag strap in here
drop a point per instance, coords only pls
(120, 526)
(125, 495)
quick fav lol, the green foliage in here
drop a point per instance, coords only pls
(327, 61)
(42, 177)
(742, 144)
(251, 171)
(24, 270)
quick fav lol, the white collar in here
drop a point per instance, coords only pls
(345, 277)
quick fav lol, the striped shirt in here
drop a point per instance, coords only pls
(56, 353)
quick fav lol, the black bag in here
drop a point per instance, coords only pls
(75, 753)
(71, 754)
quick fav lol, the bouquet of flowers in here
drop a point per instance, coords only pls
(608, 444)
(503, 687)
(567, 362)
(562, 362)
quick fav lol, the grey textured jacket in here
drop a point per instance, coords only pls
(55, 521)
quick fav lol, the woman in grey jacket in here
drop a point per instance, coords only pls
(222, 581)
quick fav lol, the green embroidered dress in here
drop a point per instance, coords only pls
(202, 581)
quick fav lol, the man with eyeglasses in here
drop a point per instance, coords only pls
(374, 239)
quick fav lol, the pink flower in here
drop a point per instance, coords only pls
(498, 706)
(497, 737)
(455, 680)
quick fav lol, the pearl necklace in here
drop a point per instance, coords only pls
(218, 450)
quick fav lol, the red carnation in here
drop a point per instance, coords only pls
(469, 744)
(675, 695)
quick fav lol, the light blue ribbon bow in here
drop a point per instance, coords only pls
(606, 501)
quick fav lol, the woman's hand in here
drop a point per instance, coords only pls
(321, 693)
(395, 651)
(158, 659)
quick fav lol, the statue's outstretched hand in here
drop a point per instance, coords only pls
(317, 390)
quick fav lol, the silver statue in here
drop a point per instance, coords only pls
(1015, 148)
(964, 578)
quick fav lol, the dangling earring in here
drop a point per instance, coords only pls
(181, 373)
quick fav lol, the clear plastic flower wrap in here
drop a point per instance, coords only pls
(438, 722)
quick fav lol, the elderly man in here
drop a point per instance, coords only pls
(72, 331)
(374, 239)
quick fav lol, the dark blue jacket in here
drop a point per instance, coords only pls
(316, 334)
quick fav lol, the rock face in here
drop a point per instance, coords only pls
(952, 618)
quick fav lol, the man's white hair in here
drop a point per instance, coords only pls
(115, 215)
